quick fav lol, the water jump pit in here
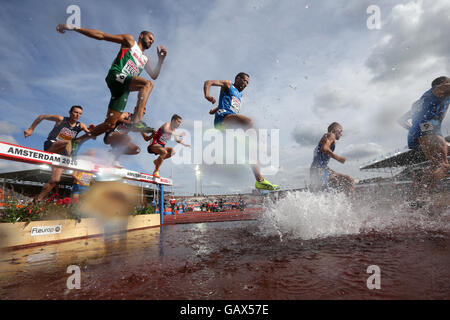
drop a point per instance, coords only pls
(296, 249)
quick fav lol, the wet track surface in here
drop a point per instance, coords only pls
(233, 260)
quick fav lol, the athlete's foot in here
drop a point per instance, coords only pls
(266, 185)
(117, 164)
(156, 172)
(140, 126)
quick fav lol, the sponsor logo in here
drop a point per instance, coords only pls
(133, 174)
(138, 59)
(66, 134)
(45, 230)
(235, 104)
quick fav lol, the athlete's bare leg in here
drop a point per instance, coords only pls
(60, 147)
(144, 87)
(122, 141)
(342, 181)
(54, 180)
(239, 121)
(257, 172)
(435, 149)
(112, 117)
(235, 121)
(164, 153)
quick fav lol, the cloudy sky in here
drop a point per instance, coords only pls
(310, 63)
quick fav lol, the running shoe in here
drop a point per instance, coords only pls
(156, 174)
(140, 126)
(266, 185)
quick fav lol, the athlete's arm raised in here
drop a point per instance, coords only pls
(85, 128)
(154, 73)
(224, 84)
(50, 117)
(212, 111)
(126, 40)
(182, 143)
(442, 90)
(327, 141)
(148, 137)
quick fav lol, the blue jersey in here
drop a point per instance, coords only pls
(229, 103)
(319, 172)
(321, 159)
(427, 115)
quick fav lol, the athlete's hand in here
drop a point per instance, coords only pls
(28, 132)
(341, 159)
(162, 52)
(211, 99)
(62, 27)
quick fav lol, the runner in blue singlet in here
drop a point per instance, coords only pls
(425, 133)
(227, 114)
(321, 175)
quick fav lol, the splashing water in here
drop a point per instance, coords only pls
(307, 215)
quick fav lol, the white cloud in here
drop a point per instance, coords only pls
(415, 42)
(8, 139)
(308, 134)
(334, 98)
(362, 151)
(7, 128)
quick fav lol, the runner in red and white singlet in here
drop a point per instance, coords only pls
(159, 140)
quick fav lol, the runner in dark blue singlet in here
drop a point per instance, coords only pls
(60, 140)
(322, 177)
(425, 133)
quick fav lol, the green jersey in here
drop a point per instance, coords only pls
(129, 61)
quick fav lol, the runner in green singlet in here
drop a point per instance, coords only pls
(123, 76)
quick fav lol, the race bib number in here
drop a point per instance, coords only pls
(66, 134)
(121, 77)
(165, 138)
(426, 127)
(235, 105)
(131, 68)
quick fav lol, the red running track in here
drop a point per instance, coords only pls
(196, 217)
